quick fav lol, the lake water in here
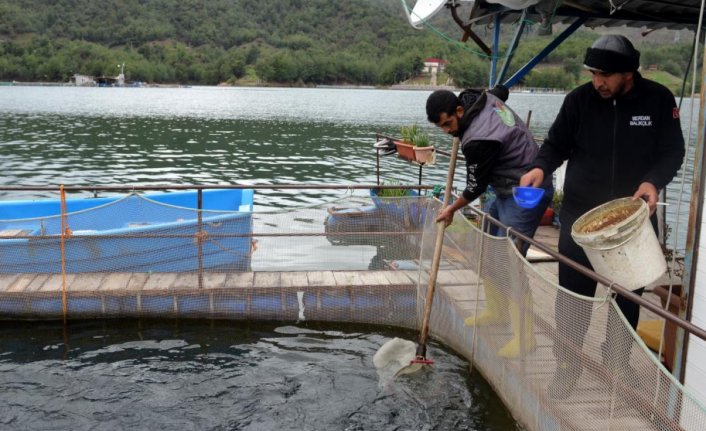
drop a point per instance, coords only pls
(221, 375)
(223, 135)
(201, 375)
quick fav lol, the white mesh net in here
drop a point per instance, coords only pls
(359, 259)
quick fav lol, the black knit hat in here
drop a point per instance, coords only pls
(612, 53)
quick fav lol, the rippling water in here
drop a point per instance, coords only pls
(213, 135)
(84, 136)
(201, 375)
(217, 375)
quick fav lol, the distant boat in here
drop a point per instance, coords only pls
(158, 232)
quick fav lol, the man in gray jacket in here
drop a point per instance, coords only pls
(498, 148)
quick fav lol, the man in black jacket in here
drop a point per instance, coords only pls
(622, 137)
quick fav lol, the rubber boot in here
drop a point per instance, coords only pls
(495, 309)
(522, 323)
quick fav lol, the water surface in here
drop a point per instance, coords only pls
(216, 375)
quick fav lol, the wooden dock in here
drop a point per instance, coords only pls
(387, 297)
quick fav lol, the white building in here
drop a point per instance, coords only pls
(83, 80)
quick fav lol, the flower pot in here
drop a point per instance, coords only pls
(424, 155)
(405, 151)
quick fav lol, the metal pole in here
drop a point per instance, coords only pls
(496, 47)
(200, 236)
(513, 45)
(524, 70)
(129, 188)
(693, 237)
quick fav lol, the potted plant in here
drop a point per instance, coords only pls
(414, 145)
(423, 151)
(405, 147)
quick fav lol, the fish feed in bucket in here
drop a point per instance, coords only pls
(620, 243)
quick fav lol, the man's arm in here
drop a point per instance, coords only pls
(480, 160)
(669, 154)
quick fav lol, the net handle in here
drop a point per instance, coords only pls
(441, 227)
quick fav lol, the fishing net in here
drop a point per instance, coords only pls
(363, 259)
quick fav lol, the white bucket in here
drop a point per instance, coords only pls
(620, 243)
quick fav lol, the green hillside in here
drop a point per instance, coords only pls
(196, 41)
(265, 42)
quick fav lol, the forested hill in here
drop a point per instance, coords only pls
(210, 41)
(221, 23)
(245, 42)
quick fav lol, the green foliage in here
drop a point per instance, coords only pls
(414, 135)
(391, 192)
(420, 139)
(550, 78)
(557, 199)
(191, 41)
(468, 71)
(408, 132)
(287, 42)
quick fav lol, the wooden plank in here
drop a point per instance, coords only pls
(116, 281)
(54, 283)
(294, 279)
(398, 277)
(461, 293)
(37, 283)
(21, 283)
(447, 278)
(239, 280)
(266, 279)
(347, 278)
(86, 282)
(214, 280)
(137, 281)
(321, 278)
(7, 280)
(188, 280)
(465, 276)
(374, 278)
(160, 281)
(15, 232)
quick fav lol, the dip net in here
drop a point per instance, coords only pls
(358, 259)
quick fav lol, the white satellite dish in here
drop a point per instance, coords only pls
(515, 4)
(423, 10)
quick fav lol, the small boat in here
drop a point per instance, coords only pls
(160, 232)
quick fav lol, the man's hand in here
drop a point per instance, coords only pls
(648, 192)
(446, 215)
(533, 178)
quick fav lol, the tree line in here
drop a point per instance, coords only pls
(288, 42)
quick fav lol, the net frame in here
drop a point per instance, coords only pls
(393, 294)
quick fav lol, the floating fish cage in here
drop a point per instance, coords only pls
(359, 259)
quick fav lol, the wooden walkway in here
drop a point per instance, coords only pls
(384, 296)
(100, 283)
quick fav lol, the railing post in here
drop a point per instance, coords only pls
(199, 235)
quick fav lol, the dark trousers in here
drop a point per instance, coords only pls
(575, 314)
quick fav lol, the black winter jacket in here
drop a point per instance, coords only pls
(613, 145)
